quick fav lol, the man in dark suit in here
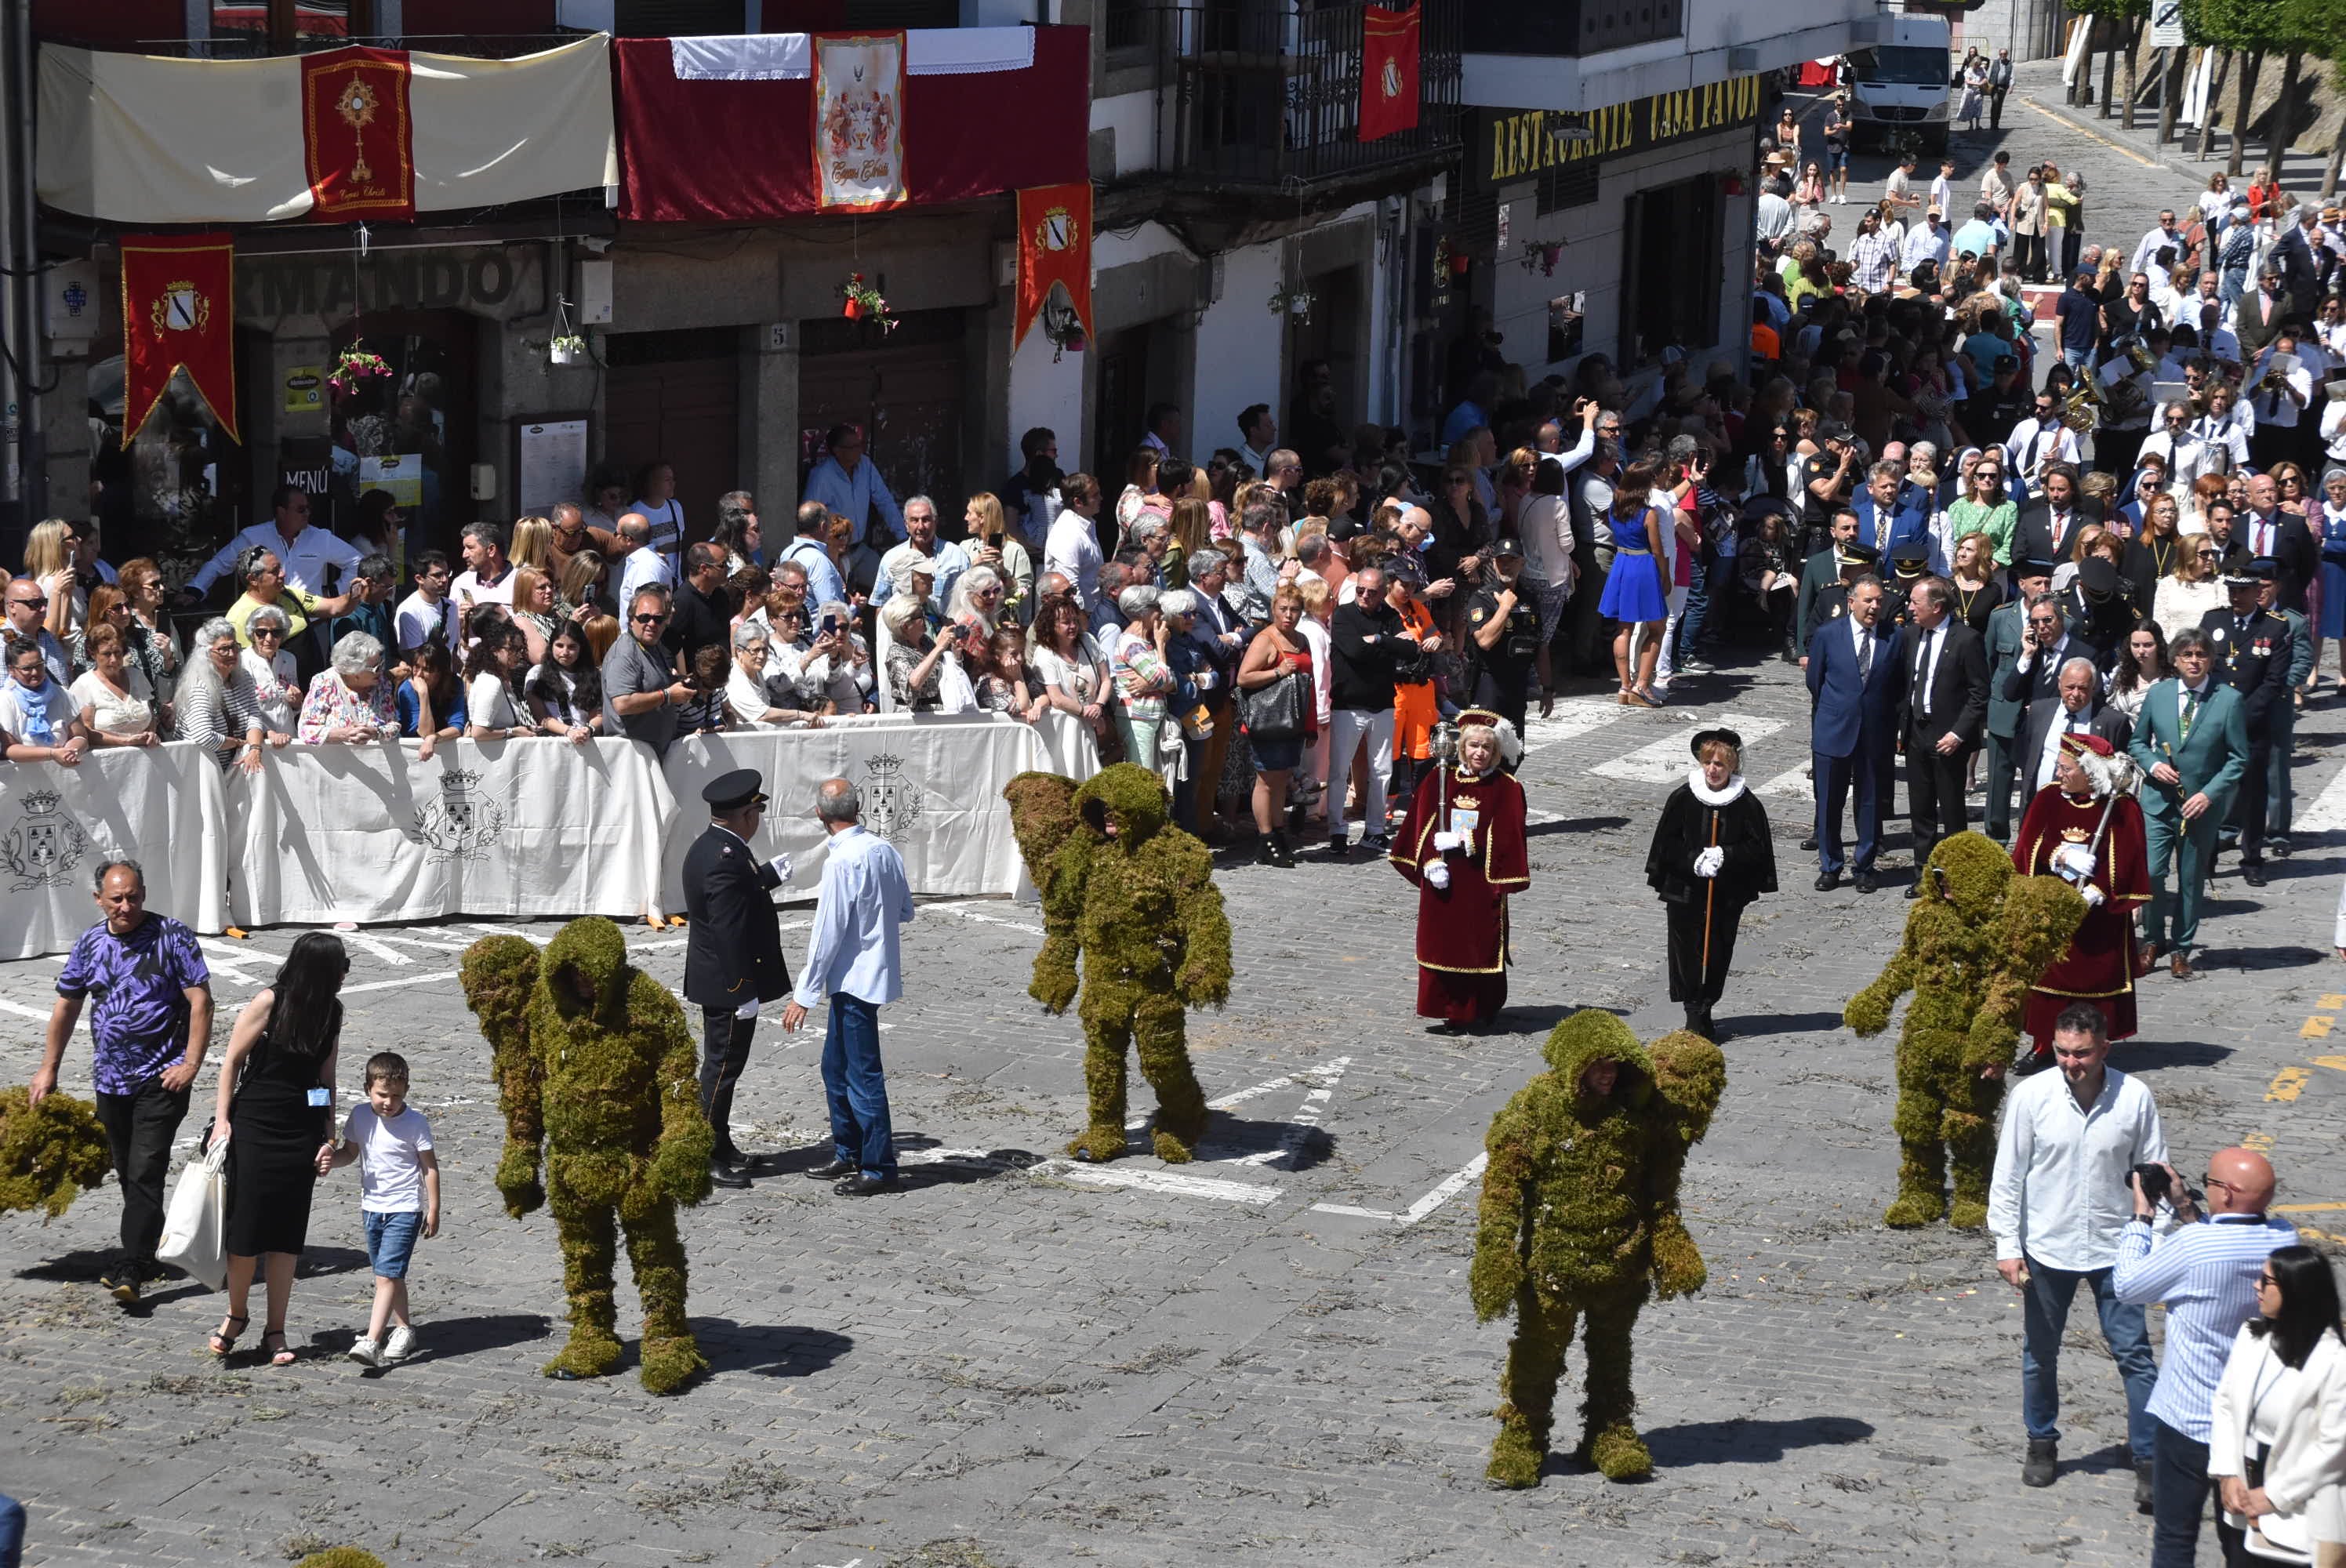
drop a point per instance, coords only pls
(1822, 572)
(1946, 707)
(733, 952)
(2297, 255)
(2269, 534)
(1887, 515)
(2249, 647)
(1855, 678)
(2007, 639)
(2048, 527)
(2262, 312)
(2045, 645)
(2076, 708)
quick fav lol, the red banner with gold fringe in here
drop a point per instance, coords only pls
(1055, 246)
(356, 134)
(178, 311)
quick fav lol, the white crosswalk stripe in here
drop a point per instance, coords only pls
(1665, 761)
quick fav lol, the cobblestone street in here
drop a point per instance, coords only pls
(1019, 1365)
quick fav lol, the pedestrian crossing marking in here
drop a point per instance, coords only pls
(1665, 761)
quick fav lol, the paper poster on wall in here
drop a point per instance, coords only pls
(553, 464)
(305, 388)
(402, 475)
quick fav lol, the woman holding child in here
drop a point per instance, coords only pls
(275, 1110)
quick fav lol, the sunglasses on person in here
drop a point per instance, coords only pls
(42, 603)
(651, 620)
(257, 633)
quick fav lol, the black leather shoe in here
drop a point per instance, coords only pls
(2042, 1463)
(1914, 889)
(1340, 849)
(725, 1175)
(1866, 882)
(2253, 874)
(2144, 1493)
(830, 1172)
(1809, 844)
(1828, 881)
(864, 1184)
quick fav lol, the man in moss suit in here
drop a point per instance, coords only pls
(2191, 742)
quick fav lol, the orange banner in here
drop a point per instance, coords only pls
(355, 134)
(179, 312)
(1054, 246)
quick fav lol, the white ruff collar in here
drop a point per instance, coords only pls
(1710, 797)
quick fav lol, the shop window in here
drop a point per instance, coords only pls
(1671, 270)
(179, 489)
(409, 433)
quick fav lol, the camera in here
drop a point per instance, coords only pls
(2153, 1179)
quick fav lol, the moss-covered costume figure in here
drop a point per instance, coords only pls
(593, 1059)
(1135, 900)
(50, 1154)
(1579, 1224)
(1975, 942)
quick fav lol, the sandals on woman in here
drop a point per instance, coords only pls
(223, 1344)
(283, 1355)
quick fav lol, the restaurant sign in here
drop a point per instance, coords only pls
(1513, 145)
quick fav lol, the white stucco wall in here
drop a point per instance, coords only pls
(1237, 345)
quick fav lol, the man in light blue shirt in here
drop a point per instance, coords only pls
(853, 488)
(1977, 238)
(645, 568)
(853, 956)
(808, 552)
(2206, 1276)
(947, 561)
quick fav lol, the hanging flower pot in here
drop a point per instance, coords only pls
(568, 350)
(862, 302)
(355, 367)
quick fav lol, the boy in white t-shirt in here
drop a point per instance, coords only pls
(399, 1188)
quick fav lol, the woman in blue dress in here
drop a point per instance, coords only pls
(1633, 589)
(2329, 521)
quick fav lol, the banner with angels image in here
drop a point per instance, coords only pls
(859, 122)
(370, 833)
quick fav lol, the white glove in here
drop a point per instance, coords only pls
(2074, 861)
(1445, 842)
(1437, 876)
(2092, 896)
(781, 864)
(1707, 864)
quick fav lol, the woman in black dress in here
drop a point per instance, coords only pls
(276, 1109)
(1711, 856)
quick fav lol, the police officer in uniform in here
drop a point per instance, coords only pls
(2099, 611)
(1503, 637)
(1909, 561)
(2250, 651)
(733, 953)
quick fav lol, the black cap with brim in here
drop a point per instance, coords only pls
(2097, 576)
(735, 791)
(1719, 733)
(2031, 566)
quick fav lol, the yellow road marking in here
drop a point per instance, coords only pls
(2257, 1143)
(2316, 1028)
(2075, 129)
(2332, 1003)
(2288, 1083)
(2336, 1062)
(2309, 1207)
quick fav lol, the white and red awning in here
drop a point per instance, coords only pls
(350, 133)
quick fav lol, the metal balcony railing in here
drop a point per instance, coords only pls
(1269, 95)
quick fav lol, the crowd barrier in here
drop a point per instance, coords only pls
(535, 827)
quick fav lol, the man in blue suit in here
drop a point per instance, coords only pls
(1888, 515)
(1856, 680)
(2192, 740)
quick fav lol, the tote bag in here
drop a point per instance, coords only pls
(196, 1220)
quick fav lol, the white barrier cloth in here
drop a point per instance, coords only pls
(159, 806)
(932, 787)
(525, 827)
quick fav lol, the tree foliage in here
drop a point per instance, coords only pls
(2121, 10)
(2254, 24)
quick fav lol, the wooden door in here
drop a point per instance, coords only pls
(681, 411)
(909, 393)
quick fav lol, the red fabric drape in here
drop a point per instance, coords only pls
(702, 151)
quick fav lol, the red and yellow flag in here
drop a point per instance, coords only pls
(1054, 246)
(178, 311)
(1388, 71)
(355, 134)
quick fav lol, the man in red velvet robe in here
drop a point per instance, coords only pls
(2057, 838)
(1464, 847)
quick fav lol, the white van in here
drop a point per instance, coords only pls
(1900, 89)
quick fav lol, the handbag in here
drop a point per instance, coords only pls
(1274, 712)
(194, 1225)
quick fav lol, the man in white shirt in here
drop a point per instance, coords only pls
(2165, 237)
(1072, 548)
(488, 578)
(2038, 441)
(1772, 218)
(1926, 241)
(1257, 437)
(853, 487)
(429, 612)
(1943, 189)
(304, 551)
(645, 568)
(852, 955)
(2059, 1199)
(2277, 397)
(947, 560)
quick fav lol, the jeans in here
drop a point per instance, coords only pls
(2178, 1489)
(12, 1532)
(2078, 360)
(391, 1241)
(1352, 728)
(724, 1053)
(852, 1084)
(139, 1127)
(1706, 597)
(2044, 1313)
